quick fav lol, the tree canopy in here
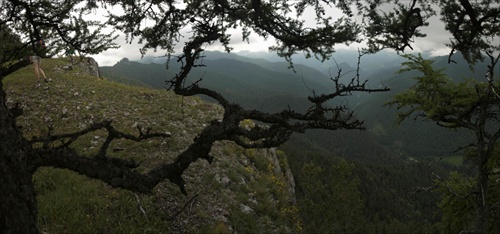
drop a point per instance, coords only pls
(471, 105)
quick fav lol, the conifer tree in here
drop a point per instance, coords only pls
(468, 105)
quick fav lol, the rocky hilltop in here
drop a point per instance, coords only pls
(242, 191)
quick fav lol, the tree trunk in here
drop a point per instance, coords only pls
(482, 186)
(18, 209)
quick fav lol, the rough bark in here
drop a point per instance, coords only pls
(482, 208)
(18, 209)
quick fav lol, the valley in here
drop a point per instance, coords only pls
(391, 163)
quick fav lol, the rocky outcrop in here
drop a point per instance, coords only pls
(283, 169)
(242, 189)
(89, 66)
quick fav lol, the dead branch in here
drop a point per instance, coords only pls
(139, 206)
(190, 201)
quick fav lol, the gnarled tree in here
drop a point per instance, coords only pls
(60, 23)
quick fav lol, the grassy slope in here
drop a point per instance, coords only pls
(70, 203)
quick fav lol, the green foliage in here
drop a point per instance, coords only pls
(457, 160)
(329, 200)
(59, 23)
(475, 34)
(268, 188)
(434, 96)
(260, 162)
(385, 184)
(469, 105)
(10, 49)
(457, 204)
(212, 20)
(395, 28)
(459, 194)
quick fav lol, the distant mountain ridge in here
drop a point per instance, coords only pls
(256, 78)
(261, 81)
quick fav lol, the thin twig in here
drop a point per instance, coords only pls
(139, 206)
(172, 218)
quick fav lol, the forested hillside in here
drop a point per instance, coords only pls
(272, 86)
(389, 164)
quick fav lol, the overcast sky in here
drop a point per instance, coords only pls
(433, 43)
